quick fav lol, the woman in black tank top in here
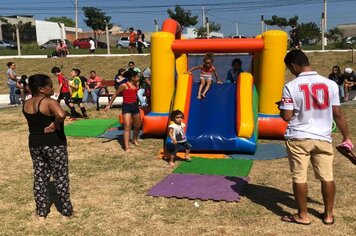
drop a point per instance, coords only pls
(48, 145)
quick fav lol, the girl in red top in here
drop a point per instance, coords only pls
(206, 75)
(130, 109)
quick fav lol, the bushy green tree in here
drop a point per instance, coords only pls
(335, 34)
(27, 31)
(202, 31)
(183, 17)
(309, 30)
(65, 20)
(95, 19)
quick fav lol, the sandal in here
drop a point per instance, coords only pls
(292, 219)
(345, 149)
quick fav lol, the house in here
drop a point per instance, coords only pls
(45, 30)
(349, 30)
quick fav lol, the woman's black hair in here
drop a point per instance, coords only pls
(10, 63)
(338, 69)
(236, 60)
(176, 113)
(36, 81)
(120, 71)
(129, 74)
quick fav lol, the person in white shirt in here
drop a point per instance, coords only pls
(92, 45)
(177, 135)
(309, 103)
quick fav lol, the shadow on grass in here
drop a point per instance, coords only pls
(273, 199)
(53, 197)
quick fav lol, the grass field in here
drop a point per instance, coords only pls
(108, 187)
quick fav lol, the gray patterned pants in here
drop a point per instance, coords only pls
(46, 161)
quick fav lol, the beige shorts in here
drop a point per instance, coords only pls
(319, 152)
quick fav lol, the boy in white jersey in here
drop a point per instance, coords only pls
(309, 103)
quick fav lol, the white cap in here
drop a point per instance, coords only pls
(348, 70)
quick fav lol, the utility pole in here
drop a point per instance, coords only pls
(204, 23)
(76, 19)
(325, 23)
(18, 40)
(207, 28)
(262, 24)
(107, 36)
(322, 31)
(156, 24)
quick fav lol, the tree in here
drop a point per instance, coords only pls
(95, 19)
(202, 32)
(309, 30)
(335, 34)
(65, 20)
(282, 22)
(27, 31)
(183, 17)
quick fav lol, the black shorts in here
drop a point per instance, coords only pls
(181, 147)
(130, 108)
(77, 100)
(65, 96)
(133, 45)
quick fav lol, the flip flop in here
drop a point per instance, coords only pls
(345, 149)
(326, 222)
(292, 219)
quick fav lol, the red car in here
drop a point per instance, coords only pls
(84, 43)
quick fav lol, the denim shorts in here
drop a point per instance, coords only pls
(130, 108)
(181, 147)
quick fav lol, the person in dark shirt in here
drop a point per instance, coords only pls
(338, 77)
(48, 145)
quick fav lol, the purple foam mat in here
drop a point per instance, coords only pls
(204, 187)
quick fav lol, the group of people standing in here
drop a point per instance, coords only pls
(345, 81)
(136, 41)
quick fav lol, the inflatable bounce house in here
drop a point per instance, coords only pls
(233, 115)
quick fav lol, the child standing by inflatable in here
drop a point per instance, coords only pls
(206, 74)
(177, 135)
(130, 109)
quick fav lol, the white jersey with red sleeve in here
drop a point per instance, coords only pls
(310, 96)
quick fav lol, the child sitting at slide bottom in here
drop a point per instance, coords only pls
(177, 134)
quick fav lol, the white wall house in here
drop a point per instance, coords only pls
(46, 30)
(192, 35)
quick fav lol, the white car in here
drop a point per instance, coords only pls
(239, 37)
(123, 42)
(6, 44)
(351, 41)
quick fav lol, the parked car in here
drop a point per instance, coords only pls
(123, 42)
(52, 44)
(308, 41)
(350, 41)
(84, 43)
(239, 37)
(7, 44)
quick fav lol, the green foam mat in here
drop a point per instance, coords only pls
(89, 128)
(224, 167)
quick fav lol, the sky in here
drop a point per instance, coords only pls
(242, 17)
